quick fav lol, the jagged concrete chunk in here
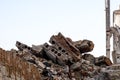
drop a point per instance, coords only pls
(49, 52)
(22, 47)
(37, 48)
(64, 45)
(89, 57)
(53, 54)
(84, 46)
(103, 61)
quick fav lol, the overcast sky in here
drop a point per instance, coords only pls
(35, 21)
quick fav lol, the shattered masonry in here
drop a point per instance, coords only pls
(61, 59)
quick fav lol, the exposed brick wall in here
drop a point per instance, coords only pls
(13, 67)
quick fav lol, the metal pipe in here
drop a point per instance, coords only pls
(107, 10)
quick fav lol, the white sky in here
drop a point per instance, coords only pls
(35, 21)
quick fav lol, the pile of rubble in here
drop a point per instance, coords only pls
(64, 59)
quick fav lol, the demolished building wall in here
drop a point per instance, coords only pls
(63, 59)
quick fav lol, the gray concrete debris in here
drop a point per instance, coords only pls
(89, 57)
(102, 61)
(29, 49)
(63, 59)
(84, 45)
(65, 46)
(37, 48)
(98, 61)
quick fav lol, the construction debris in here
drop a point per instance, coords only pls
(65, 59)
(84, 46)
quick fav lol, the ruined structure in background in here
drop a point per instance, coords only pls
(113, 32)
(61, 59)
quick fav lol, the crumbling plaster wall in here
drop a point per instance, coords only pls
(14, 68)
